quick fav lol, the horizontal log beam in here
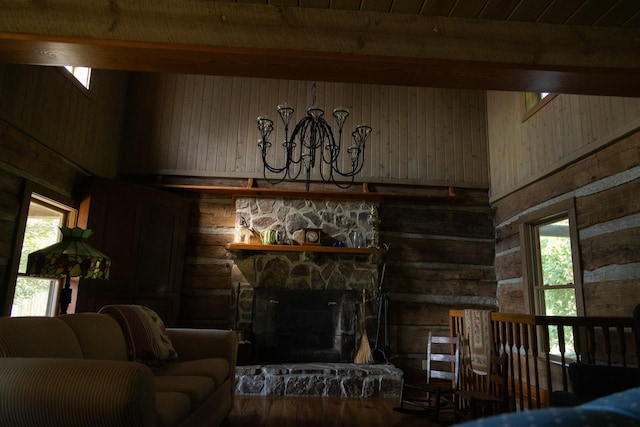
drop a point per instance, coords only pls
(317, 44)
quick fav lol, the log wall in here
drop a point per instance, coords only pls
(441, 257)
(605, 187)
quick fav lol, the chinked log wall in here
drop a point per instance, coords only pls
(604, 186)
(441, 257)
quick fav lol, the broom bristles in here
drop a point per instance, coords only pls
(363, 355)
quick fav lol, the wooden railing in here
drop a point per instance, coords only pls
(535, 370)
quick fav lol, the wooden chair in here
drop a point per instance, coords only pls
(439, 386)
(481, 395)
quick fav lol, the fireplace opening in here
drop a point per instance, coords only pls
(294, 325)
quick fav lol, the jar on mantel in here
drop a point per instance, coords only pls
(374, 222)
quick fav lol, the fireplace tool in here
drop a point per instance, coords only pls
(363, 355)
(382, 354)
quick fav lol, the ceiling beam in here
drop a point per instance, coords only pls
(316, 44)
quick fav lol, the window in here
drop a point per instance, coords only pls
(552, 269)
(534, 101)
(82, 74)
(38, 296)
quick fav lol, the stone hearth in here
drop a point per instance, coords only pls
(319, 380)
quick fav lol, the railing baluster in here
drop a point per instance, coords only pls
(528, 336)
(577, 342)
(534, 355)
(517, 344)
(623, 344)
(563, 350)
(525, 347)
(591, 343)
(607, 344)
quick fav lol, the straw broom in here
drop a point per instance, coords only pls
(363, 355)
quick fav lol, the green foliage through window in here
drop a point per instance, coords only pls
(556, 288)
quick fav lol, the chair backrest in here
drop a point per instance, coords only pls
(447, 361)
(495, 383)
(498, 382)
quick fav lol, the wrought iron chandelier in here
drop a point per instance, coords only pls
(312, 137)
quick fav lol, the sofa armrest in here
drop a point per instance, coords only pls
(193, 344)
(76, 392)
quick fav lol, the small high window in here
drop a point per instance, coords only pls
(534, 101)
(82, 74)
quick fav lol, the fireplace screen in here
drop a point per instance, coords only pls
(293, 325)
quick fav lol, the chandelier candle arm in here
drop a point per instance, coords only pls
(310, 134)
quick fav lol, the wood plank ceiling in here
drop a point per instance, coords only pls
(567, 46)
(604, 13)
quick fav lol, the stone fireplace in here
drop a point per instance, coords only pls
(298, 325)
(301, 271)
(300, 311)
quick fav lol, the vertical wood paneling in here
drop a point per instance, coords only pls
(568, 127)
(194, 131)
(205, 124)
(430, 124)
(223, 124)
(208, 127)
(83, 127)
(214, 125)
(384, 126)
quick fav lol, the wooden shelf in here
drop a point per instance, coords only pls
(303, 248)
(435, 194)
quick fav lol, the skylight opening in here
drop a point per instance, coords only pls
(82, 74)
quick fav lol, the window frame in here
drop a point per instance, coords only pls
(44, 195)
(527, 113)
(74, 80)
(528, 225)
(531, 267)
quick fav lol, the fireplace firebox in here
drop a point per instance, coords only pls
(294, 325)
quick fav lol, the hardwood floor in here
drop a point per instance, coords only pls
(323, 412)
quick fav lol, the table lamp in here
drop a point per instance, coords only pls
(71, 257)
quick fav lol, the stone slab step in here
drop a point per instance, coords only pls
(319, 380)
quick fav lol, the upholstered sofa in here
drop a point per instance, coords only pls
(619, 409)
(77, 370)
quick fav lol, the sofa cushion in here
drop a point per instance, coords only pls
(108, 344)
(37, 337)
(172, 408)
(215, 368)
(625, 403)
(197, 388)
(145, 334)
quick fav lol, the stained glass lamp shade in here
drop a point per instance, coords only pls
(71, 257)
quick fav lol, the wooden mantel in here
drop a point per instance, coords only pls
(362, 191)
(303, 248)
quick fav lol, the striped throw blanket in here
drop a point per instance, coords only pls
(477, 325)
(147, 340)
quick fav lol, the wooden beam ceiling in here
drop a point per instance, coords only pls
(223, 38)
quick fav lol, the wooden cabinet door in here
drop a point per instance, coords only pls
(143, 231)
